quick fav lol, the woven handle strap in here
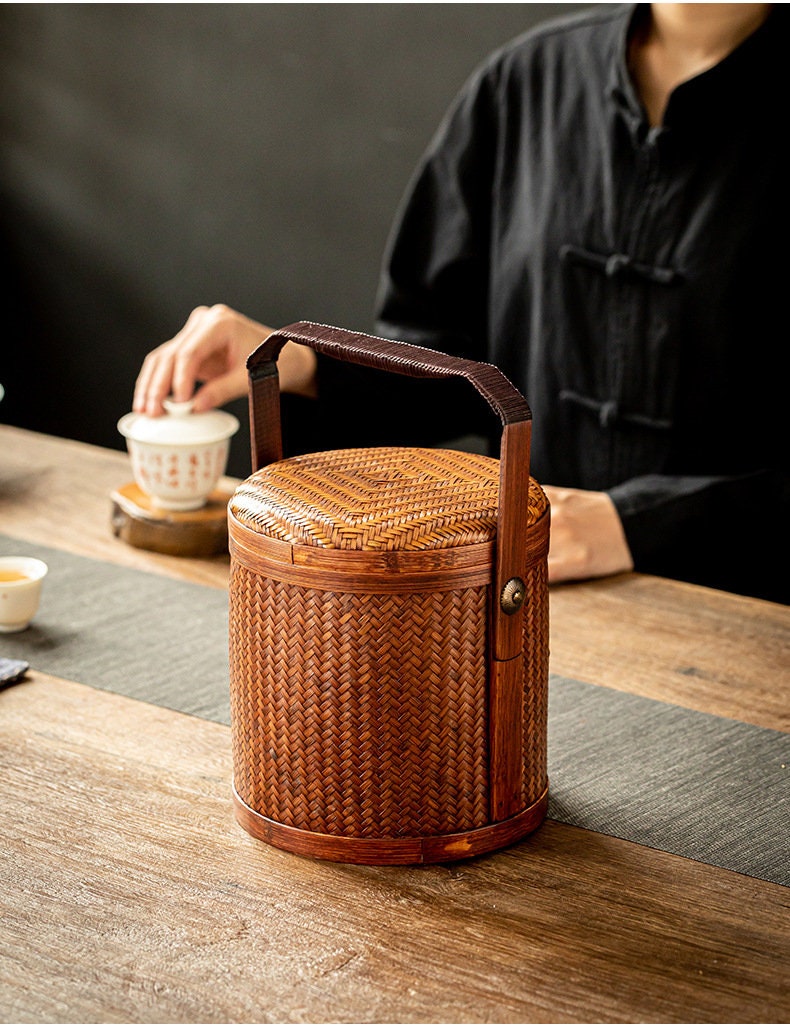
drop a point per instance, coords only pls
(415, 361)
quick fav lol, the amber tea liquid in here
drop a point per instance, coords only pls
(7, 576)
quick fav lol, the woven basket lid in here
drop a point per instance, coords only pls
(377, 499)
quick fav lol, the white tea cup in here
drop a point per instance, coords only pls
(21, 578)
(177, 459)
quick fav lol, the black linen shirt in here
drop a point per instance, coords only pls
(630, 281)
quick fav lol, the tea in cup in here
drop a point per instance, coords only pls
(21, 578)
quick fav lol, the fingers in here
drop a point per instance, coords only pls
(221, 390)
(156, 379)
(147, 396)
(212, 347)
(198, 342)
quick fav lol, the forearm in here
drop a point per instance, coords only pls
(296, 366)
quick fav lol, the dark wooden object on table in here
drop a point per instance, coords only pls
(389, 631)
(138, 522)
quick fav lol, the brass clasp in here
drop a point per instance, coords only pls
(513, 595)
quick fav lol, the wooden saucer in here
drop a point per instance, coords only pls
(201, 532)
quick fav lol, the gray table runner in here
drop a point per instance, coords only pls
(701, 786)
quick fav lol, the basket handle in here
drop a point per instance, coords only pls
(415, 361)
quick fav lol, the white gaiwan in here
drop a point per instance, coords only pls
(178, 458)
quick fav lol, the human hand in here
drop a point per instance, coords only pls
(587, 537)
(212, 348)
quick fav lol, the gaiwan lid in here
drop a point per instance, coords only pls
(179, 426)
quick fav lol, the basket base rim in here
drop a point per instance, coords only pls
(392, 850)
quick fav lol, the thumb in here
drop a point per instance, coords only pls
(221, 390)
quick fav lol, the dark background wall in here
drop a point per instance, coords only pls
(157, 157)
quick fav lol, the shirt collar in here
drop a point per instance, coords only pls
(740, 84)
(620, 86)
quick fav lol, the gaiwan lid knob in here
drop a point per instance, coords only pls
(179, 425)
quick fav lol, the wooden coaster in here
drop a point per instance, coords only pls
(200, 532)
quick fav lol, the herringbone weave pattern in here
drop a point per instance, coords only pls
(359, 715)
(365, 716)
(369, 499)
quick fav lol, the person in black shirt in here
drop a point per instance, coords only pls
(597, 215)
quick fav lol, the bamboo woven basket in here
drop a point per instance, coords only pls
(388, 631)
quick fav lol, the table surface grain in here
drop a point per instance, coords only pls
(129, 893)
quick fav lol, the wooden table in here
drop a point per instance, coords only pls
(129, 893)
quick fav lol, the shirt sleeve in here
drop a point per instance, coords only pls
(724, 532)
(434, 284)
(433, 292)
